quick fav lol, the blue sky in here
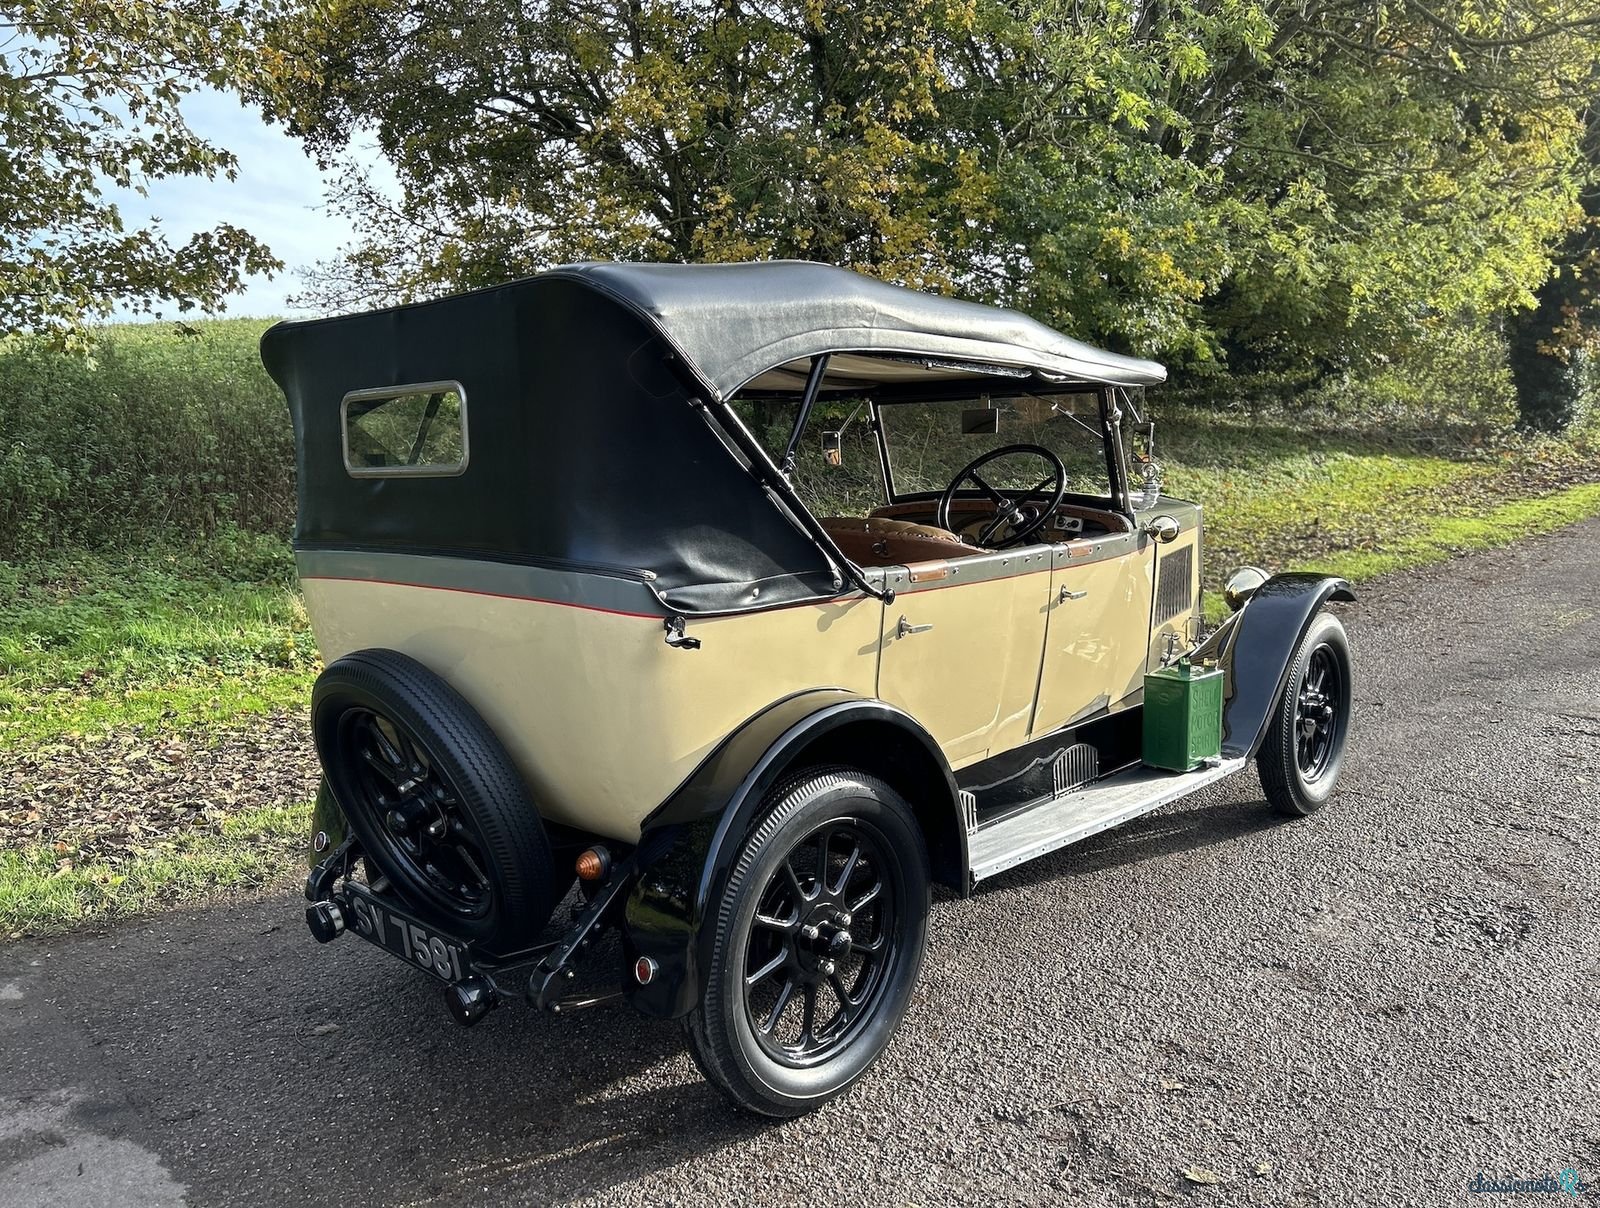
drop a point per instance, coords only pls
(278, 197)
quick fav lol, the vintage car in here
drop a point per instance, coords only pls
(612, 615)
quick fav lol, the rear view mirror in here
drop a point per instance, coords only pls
(980, 421)
(833, 448)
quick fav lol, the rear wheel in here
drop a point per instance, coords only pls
(819, 938)
(1302, 753)
(439, 808)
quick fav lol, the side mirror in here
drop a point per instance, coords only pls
(1163, 529)
(980, 421)
(833, 448)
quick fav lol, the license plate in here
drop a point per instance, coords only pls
(381, 924)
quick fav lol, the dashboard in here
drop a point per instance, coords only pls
(1070, 521)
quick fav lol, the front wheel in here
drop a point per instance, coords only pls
(1303, 750)
(819, 938)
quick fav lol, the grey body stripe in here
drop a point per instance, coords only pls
(1024, 560)
(591, 589)
(574, 588)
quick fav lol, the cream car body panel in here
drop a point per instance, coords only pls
(1099, 616)
(986, 636)
(602, 717)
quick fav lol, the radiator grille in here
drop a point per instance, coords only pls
(1175, 580)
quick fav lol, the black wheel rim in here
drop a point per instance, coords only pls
(823, 943)
(414, 814)
(1318, 714)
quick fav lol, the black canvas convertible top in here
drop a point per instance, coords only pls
(591, 443)
(731, 322)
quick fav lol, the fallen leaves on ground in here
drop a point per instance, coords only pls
(102, 799)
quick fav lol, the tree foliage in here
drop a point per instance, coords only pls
(1552, 344)
(90, 94)
(531, 133)
(1259, 183)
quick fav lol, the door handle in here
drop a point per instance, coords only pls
(1068, 594)
(905, 628)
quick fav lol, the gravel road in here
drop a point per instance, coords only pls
(1373, 1005)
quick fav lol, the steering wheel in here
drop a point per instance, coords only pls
(1007, 502)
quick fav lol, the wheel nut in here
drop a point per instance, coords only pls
(844, 919)
(827, 967)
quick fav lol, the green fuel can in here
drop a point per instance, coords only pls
(1182, 716)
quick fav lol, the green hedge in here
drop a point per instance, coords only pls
(159, 432)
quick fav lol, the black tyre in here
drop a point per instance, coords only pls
(819, 938)
(435, 800)
(1303, 750)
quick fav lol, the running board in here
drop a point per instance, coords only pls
(1057, 821)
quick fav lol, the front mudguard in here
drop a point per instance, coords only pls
(688, 846)
(1254, 647)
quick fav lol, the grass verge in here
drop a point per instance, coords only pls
(1362, 502)
(44, 890)
(167, 639)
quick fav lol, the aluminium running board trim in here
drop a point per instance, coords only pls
(1056, 822)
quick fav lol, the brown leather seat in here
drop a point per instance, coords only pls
(878, 541)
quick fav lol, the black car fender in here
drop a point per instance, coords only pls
(1255, 645)
(329, 827)
(688, 845)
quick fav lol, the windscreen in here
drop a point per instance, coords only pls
(930, 442)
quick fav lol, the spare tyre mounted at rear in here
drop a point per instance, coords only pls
(439, 808)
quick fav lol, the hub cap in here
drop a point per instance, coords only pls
(1317, 713)
(416, 814)
(821, 945)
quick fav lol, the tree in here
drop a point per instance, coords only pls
(1551, 341)
(89, 97)
(1281, 185)
(1263, 183)
(525, 134)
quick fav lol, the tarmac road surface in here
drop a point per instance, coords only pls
(1373, 1005)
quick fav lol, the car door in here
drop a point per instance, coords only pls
(1097, 635)
(961, 646)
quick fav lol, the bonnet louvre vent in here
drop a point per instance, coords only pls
(1175, 574)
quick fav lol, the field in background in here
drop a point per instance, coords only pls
(162, 434)
(147, 597)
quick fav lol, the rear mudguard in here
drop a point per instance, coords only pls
(688, 846)
(1254, 647)
(328, 821)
